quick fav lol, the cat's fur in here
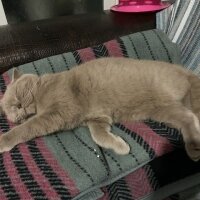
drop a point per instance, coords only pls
(99, 93)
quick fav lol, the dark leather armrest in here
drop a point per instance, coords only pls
(27, 42)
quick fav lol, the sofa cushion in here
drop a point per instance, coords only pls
(69, 164)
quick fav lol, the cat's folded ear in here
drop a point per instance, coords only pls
(16, 74)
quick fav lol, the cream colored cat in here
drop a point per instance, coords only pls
(99, 93)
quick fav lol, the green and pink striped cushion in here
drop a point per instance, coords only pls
(69, 165)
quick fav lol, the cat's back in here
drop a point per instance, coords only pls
(132, 70)
(113, 66)
(126, 75)
(121, 77)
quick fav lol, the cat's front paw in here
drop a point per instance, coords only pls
(193, 148)
(122, 147)
(4, 144)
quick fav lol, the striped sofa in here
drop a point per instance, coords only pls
(181, 22)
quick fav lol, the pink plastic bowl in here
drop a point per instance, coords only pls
(140, 6)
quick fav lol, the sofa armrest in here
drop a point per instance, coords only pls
(31, 41)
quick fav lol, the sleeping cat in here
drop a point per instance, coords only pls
(99, 93)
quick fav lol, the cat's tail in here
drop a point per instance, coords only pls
(195, 94)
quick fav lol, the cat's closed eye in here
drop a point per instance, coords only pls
(19, 105)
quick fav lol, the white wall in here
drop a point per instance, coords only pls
(109, 3)
(3, 20)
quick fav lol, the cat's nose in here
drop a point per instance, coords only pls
(17, 122)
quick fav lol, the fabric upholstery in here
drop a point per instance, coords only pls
(69, 164)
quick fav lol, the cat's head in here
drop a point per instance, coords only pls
(18, 98)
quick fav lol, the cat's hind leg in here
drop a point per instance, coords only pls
(100, 131)
(182, 118)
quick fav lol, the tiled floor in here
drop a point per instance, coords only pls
(28, 10)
